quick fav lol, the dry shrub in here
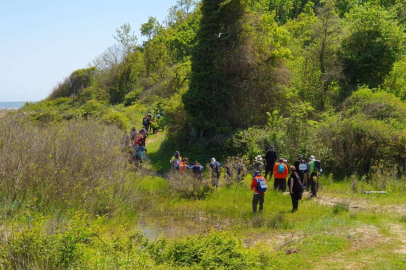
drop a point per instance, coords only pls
(77, 162)
(187, 186)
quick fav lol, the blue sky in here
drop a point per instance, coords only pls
(42, 42)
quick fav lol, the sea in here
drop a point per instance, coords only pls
(12, 105)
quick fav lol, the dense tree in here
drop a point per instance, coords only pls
(373, 45)
(207, 98)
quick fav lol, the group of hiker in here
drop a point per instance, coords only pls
(233, 170)
(135, 142)
(303, 175)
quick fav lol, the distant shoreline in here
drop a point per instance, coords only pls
(11, 105)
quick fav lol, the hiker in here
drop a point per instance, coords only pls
(240, 169)
(295, 188)
(280, 173)
(313, 176)
(133, 132)
(144, 132)
(259, 187)
(175, 161)
(183, 165)
(301, 167)
(197, 170)
(258, 165)
(137, 141)
(125, 141)
(270, 159)
(145, 122)
(154, 126)
(229, 170)
(215, 172)
(150, 120)
(142, 153)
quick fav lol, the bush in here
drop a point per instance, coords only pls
(115, 118)
(370, 130)
(71, 164)
(213, 251)
(186, 186)
(92, 108)
(132, 97)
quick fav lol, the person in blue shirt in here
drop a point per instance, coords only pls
(215, 172)
(197, 170)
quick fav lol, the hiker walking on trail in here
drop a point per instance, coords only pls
(259, 187)
(270, 159)
(197, 170)
(239, 169)
(295, 188)
(133, 132)
(215, 172)
(280, 173)
(258, 165)
(125, 141)
(145, 122)
(175, 161)
(314, 168)
(301, 167)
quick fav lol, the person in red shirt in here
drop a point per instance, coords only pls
(280, 172)
(259, 196)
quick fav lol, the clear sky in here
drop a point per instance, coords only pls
(43, 41)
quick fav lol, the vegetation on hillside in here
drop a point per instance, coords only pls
(322, 77)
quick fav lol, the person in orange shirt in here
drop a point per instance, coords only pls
(183, 165)
(259, 187)
(280, 172)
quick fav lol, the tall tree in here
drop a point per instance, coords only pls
(373, 45)
(206, 100)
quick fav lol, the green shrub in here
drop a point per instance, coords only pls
(93, 108)
(132, 97)
(186, 186)
(213, 251)
(115, 118)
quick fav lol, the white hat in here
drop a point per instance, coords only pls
(312, 158)
(258, 158)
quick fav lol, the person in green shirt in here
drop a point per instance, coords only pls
(313, 178)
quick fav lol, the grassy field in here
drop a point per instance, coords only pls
(145, 221)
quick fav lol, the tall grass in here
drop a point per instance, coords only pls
(77, 163)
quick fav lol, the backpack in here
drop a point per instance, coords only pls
(302, 167)
(261, 185)
(216, 167)
(197, 171)
(281, 168)
(145, 121)
(317, 165)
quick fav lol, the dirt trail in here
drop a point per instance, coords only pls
(355, 204)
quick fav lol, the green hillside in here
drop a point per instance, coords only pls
(230, 78)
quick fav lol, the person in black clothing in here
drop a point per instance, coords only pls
(270, 159)
(297, 164)
(295, 188)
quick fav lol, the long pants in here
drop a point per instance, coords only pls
(215, 180)
(258, 198)
(314, 184)
(295, 201)
(279, 184)
(269, 169)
